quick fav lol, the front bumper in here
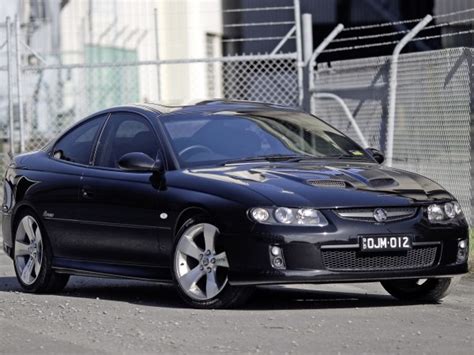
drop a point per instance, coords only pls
(332, 254)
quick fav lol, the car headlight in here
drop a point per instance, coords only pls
(288, 216)
(443, 212)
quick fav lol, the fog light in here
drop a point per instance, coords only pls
(277, 259)
(275, 251)
(462, 251)
(278, 262)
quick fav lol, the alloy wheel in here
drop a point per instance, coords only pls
(201, 271)
(28, 250)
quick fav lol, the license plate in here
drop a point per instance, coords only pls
(391, 243)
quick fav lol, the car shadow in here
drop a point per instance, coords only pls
(161, 295)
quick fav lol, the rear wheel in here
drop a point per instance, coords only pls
(32, 257)
(427, 290)
(200, 270)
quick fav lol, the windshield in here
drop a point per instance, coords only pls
(220, 138)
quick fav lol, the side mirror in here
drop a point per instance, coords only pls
(138, 161)
(376, 154)
(58, 154)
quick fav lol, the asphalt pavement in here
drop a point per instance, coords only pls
(118, 316)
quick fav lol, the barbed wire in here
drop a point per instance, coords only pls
(394, 33)
(254, 39)
(270, 8)
(454, 13)
(379, 44)
(253, 24)
(394, 23)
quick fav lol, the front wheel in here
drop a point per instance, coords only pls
(427, 290)
(32, 257)
(200, 270)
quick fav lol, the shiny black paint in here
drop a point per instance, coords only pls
(107, 221)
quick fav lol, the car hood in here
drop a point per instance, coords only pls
(323, 185)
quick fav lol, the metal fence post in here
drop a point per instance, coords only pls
(299, 51)
(350, 117)
(393, 86)
(9, 88)
(157, 54)
(307, 51)
(19, 91)
(319, 49)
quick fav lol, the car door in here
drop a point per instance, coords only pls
(120, 209)
(58, 194)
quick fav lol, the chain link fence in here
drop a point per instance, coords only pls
(433, 111)
(433, 124)
(57, 96)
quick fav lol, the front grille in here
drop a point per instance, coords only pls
(353, 260)
(367, 214)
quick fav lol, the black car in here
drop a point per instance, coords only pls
(221, 196)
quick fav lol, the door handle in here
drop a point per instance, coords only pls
(86, 192)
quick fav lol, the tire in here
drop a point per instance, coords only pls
(32, 250)
(429, 290)
(200, 271)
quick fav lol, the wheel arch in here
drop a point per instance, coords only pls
(186, 214)
(19, 209)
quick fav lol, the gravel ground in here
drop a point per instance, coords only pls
(116, 316)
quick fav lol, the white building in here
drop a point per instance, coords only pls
(77, 36)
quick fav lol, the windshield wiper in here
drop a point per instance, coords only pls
(345, 155)
(272, 157)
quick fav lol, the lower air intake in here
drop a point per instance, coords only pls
(352, 260)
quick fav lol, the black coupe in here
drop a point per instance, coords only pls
(220, 196)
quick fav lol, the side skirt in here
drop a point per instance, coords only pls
(105, 270)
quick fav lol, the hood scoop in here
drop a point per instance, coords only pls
(330, 183)
(382, 182)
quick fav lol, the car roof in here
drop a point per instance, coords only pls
(215, 106)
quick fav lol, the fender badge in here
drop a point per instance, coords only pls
(46, 214)
(163, 215)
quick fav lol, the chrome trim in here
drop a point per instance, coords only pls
(419, 244)
(367, 214)
(104, 224)
(357, 246)
(341, 246)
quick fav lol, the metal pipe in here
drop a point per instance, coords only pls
(299, 52)
(322, 46)
(35, 53)
(307, 37)
(283, 40)
(19, 89)
(311, 63)
(141, 38)
(350, 117)
(9, 89)
(106, 31)
(307, 50)
(226, 59)
(393, 86)
(157, 54)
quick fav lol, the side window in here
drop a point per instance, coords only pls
(125, 133)
(76, 145)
